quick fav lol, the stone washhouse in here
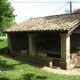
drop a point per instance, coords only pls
(50, 40)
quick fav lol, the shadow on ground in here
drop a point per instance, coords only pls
(30, 76)
(2, 50)
(1, 40)
(4, 66)
(4, 79)
(24, 61)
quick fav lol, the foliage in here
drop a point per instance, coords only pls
(3, 45)
(76, 11)
(67, 11)
(7, 18)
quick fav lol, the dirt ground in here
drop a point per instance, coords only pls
(74, 71)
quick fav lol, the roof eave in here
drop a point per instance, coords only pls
(31, 31)
(73, 28)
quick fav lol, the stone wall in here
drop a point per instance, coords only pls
(19, 41)
(48, 41)
(75, 42)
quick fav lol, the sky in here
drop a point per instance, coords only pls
(25, 9)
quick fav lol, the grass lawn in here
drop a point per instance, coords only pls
(11, 69)
(3, 45)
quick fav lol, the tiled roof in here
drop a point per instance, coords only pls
(56, 22)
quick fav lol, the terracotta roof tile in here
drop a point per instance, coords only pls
(55, 22)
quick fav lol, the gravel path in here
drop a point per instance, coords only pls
(75, 71)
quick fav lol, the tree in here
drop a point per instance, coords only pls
(7, 18)
(67, 11)
(77, 10)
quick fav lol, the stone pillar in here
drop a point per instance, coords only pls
(65, 51)
(9, 43)
(32, 44)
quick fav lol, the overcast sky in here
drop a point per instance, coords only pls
(25, 10)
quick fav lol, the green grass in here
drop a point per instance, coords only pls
(3, 45)
(11, 69)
